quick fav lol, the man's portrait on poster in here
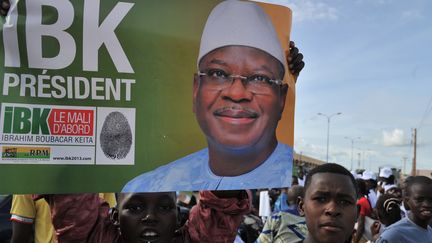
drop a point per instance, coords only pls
(239, 95)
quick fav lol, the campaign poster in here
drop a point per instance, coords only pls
(95, 93)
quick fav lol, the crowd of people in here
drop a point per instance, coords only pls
(337, 206)
(332, 206)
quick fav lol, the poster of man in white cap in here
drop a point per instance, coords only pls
(239, 95)
(190, 95)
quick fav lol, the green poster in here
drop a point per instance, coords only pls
(95, 93)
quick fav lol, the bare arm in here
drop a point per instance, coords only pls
(375, 229)
(360, 228)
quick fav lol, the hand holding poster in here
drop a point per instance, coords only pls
(95, 93)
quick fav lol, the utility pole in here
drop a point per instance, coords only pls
(328, 129)
(352, 149)
(404, 165)
(414, 162)
(359, 159)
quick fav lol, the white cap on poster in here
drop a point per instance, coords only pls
(241, 23)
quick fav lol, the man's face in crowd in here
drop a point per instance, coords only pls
(329, 205)
(419, 202)
(147, 217)
(369, 184)
(235, 116)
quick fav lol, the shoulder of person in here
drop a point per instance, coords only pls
(389, 236)
(394, 232)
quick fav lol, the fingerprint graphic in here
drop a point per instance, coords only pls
(116, 136)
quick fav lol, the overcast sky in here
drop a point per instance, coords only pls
(372, 61)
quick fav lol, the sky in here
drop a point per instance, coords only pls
(371, 60)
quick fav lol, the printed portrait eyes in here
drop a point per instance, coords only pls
(259, 78)
(222, 76)
(217, 73)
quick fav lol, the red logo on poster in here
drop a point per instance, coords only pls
(71, 122)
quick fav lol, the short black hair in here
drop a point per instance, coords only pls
(413, 180)
(121, 196)
(329, 168)
(297, 190)
(388, 209)
(361, 187)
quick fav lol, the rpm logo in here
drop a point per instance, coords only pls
(24, 153)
